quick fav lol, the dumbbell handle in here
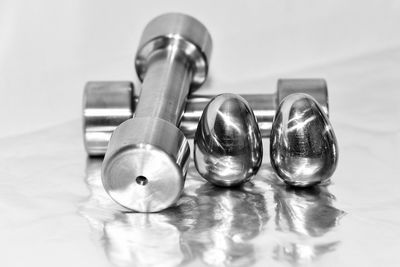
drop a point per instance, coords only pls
(165, 87)
(263, 105)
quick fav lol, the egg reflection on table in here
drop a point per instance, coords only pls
(210, 224)
(308, 213)
(216, 226)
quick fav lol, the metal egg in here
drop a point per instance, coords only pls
(303, 145)
(228, 144)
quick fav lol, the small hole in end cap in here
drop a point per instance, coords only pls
(141, 180)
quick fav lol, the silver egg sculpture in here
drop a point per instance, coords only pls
(227, 144)
(303, 145)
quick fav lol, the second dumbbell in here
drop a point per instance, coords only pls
(107, 104)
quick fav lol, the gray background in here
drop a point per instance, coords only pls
(49, 49)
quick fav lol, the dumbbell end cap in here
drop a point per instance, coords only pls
(145, 170)
(317, 88)
(105, 105)
(187, 33)
(143, 179)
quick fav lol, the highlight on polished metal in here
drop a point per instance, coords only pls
(228, 143)
(303, 145)
(146, 161)
(107, 104)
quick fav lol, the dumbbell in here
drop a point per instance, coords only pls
(146, 161)
(107, 104)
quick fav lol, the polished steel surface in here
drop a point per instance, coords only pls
(263, 105)
(142, 175)
(166, 85)
(228, 144)
(176, 29)
(303, 145)
(105, 106)
(261, 221)
(317, 88)
(145, 165)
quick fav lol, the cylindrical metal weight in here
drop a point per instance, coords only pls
(146, 161)
(97, 94)
(105, 106)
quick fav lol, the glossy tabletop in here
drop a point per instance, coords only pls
(55, 212)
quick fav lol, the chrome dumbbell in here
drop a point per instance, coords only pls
(107, 104)
(146, 161)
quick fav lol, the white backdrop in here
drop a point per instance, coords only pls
(49, 49)
(54, 211)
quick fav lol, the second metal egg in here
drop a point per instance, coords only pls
(303, 145)
(228, 144)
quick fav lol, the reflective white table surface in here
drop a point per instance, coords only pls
(54, 211)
